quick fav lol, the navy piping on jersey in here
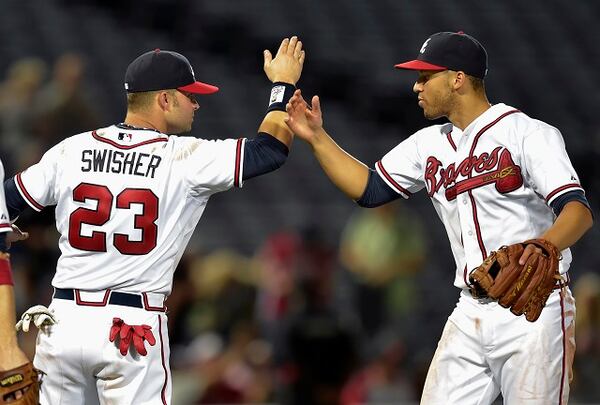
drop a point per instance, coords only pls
(377, 192)
(263, 154)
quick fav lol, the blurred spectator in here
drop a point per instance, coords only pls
(321, 343)
(226, 282)
(18, 93)
(62, 108)
(383, 248)
(382, 379)
(586, 366)
(216, 293)
(241, 373)
(313, 347)
(277, 260)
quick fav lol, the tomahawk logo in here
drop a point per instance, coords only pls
(425, 45)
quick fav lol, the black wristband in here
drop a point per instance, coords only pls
(280, 95)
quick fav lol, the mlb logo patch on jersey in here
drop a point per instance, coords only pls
(123, 136)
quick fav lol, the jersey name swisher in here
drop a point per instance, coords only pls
(495, 167)
(114, 161)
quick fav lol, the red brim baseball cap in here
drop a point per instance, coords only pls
(450, 51)
(419, 65)
(162, 70)
(199, 88)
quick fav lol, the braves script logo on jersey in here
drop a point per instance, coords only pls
(495, 167)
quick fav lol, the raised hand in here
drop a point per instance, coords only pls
(303, 120)
(288, 62)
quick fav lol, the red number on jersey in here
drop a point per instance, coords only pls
(145, 221)
(101, 215)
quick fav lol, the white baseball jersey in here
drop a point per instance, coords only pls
(490, 184)
(4, 218)
(127, 201)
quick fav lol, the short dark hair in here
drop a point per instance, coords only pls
(477, 83)
(142, 100)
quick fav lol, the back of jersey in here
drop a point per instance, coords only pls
(127, 201)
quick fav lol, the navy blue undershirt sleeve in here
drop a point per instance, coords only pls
(263, 154)
(377, 192)
(3, 247)
(14, 202)
(576, 195)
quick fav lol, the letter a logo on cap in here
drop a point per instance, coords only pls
(424, 45)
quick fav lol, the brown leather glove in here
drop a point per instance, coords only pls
(522, 288)
(23, 378)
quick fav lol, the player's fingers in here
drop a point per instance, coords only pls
(284, 46)
(292, 45)
(267, 58)
(39, 320)
(293, 101)
(298, 49)
(316, 105)
(23, 236)
(302, 56)
(526, 253)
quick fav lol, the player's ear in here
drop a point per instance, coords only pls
(163, 98)
(459, 79)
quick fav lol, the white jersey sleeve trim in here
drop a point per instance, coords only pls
(238, 179)
(25, 194)
(562, 190)
(391, 182)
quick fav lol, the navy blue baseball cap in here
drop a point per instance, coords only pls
(450, 51)
(162, 70)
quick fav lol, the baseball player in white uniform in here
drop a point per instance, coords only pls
(128, 198)
(495, 176)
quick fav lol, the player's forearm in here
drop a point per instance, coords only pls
(274, 125)
(573, 222)
(8, 336)
(348, 174)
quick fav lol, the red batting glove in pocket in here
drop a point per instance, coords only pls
(127, 334)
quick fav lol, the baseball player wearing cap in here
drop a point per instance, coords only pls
(128, 198)
(495, 176)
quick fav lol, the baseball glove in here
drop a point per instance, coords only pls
(24, 379)
(522, 288)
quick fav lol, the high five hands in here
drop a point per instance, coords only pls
(304, 121)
